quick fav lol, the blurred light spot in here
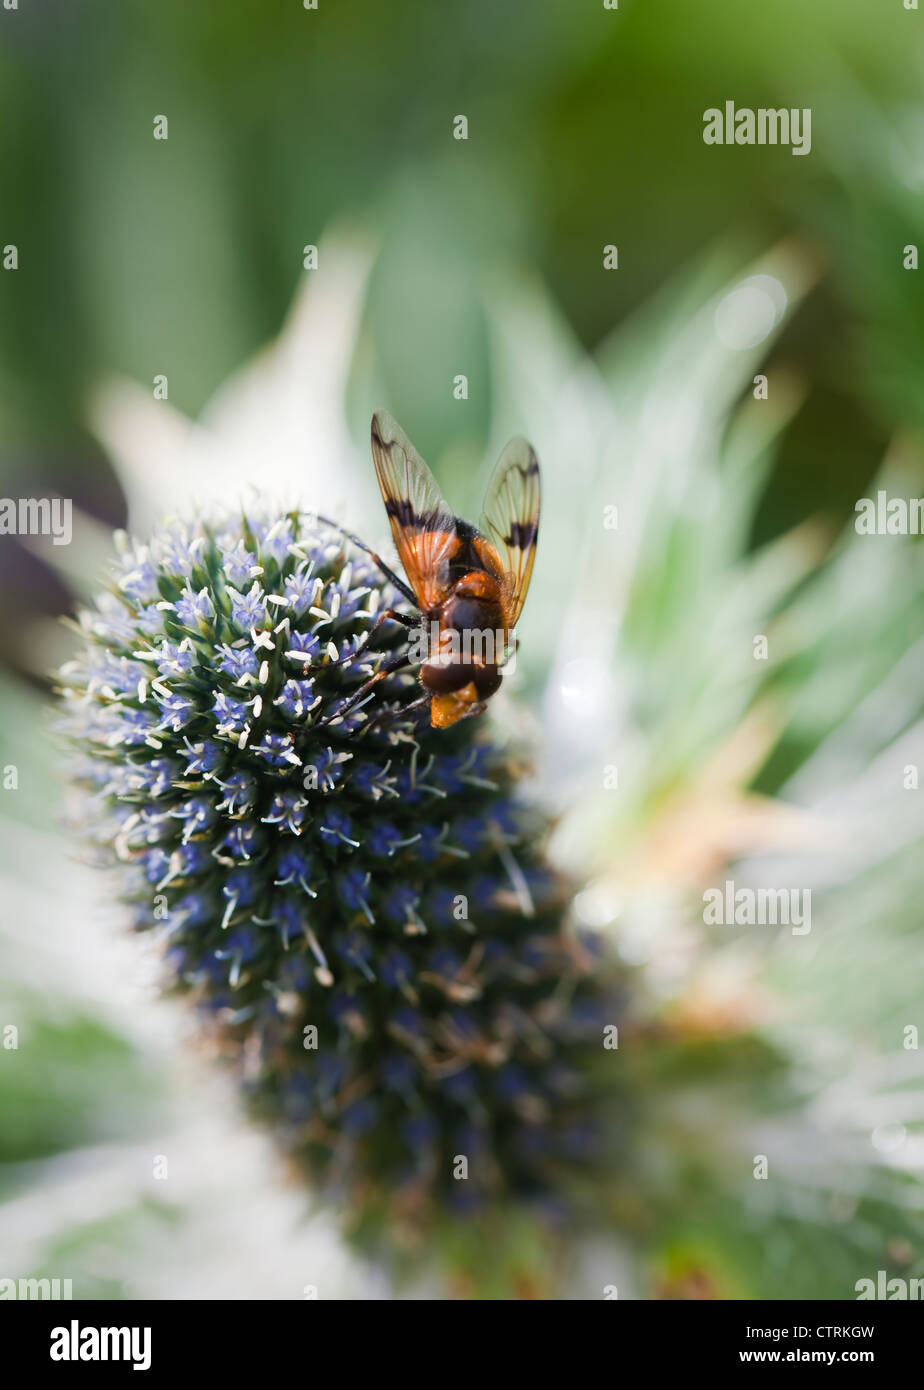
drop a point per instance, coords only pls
(597, 906)
(750, 311)
(888, 1138)
(584, 687)
(901, 1251)
(636, 946)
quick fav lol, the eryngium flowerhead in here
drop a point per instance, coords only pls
(357, 901)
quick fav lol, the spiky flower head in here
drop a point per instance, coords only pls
(358, 903)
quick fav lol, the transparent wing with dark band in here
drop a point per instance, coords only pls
(422, 525)
(510, 521)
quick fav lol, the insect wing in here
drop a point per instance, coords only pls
(510, 520)
(422, 525)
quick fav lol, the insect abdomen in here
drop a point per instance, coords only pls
(444, 677)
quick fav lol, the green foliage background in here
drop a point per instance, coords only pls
(141, 256)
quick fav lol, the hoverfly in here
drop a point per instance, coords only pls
(466, 582)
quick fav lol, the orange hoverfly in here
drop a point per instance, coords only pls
(464, 580)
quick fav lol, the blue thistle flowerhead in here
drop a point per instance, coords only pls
(358, 903)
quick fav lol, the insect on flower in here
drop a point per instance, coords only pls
(468, 583)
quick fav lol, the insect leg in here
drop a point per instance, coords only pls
(400, 713)
(389, 574)
(404, 619)
(386, 614)
(390, 668)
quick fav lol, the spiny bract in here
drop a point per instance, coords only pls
(356, 900)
